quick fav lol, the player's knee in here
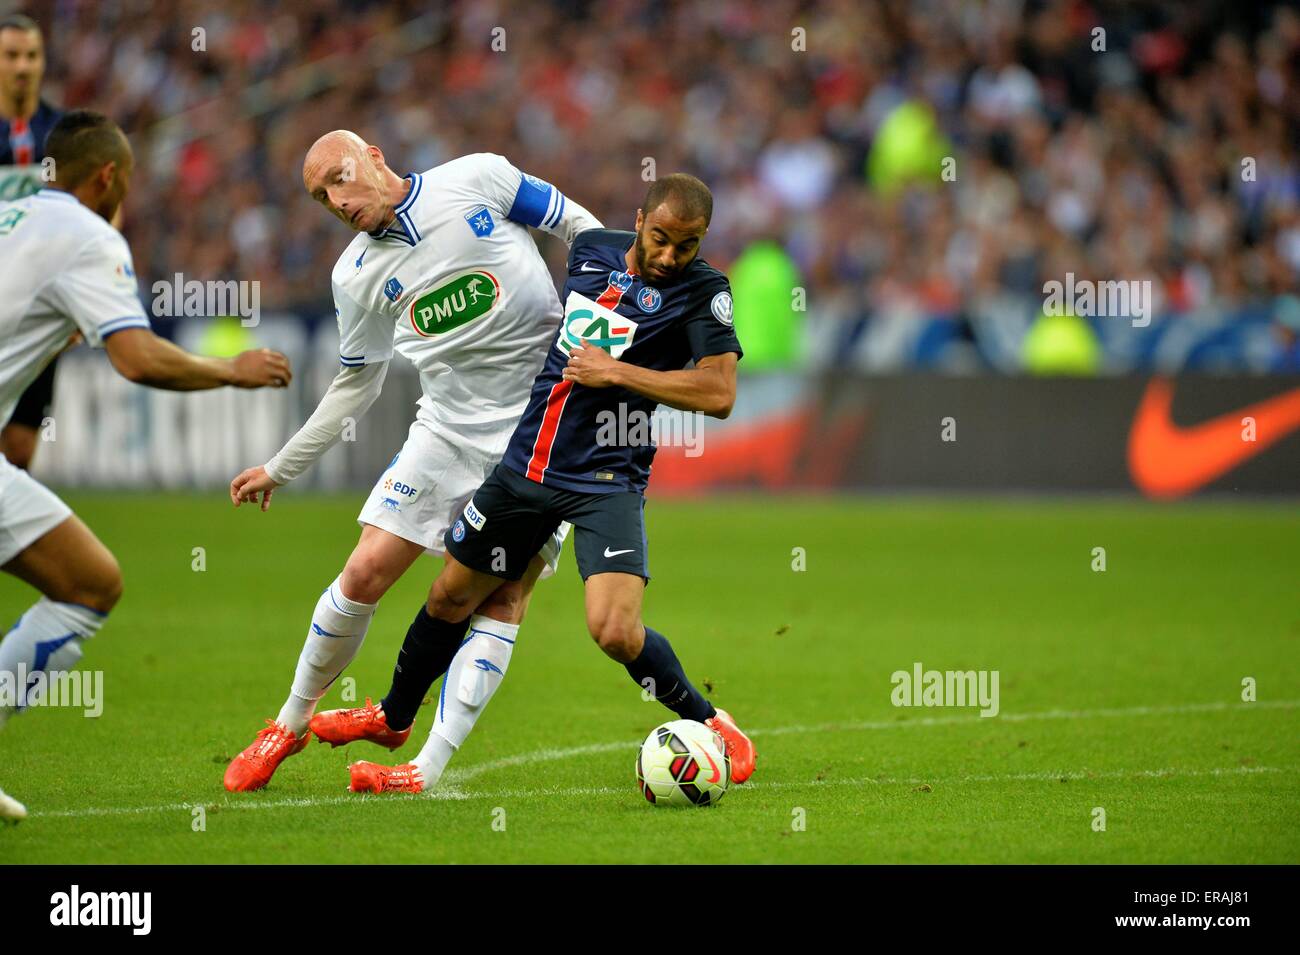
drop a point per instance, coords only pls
(617, 635)
(102, 590)
(506, 604)
(447, 604)
(365, 578)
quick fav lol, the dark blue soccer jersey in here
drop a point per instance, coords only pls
(575, 437)
(22, 143)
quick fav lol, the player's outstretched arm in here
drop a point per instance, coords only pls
(709, 387)
(353, 390)
(144, 358)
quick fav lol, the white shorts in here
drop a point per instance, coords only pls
(428, 483)
(28, 511)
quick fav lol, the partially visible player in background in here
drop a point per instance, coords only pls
(444, 271)
(25, 121)
(647, 322)
(66, 270)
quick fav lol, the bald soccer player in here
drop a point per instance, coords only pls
(68, 272)
(443, 270)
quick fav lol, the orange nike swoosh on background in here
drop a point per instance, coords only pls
(1166, 460)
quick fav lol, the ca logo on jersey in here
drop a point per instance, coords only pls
(458, 302)
(598, 325)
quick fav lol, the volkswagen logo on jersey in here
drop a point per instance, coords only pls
(649, 299)
(721, 307)
(480, 220)
(458, 531)
(620, 280)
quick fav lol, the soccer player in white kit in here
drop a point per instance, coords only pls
(444, 271)
(67, 272)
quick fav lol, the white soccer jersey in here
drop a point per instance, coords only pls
(65, 270)
(458, 287)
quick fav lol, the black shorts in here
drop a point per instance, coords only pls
(34, 405)
(510, 517)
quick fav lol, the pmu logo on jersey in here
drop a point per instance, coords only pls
(393, 290)
(480, 220)
(466, 297)
(649, 299)
(586, 321)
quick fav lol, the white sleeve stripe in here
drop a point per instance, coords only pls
(129, 321)
(552, 210)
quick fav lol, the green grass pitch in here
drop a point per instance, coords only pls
(1118, 689)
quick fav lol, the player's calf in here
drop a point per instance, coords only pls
(618, 638)
(81, 582)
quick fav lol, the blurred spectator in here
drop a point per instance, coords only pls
(1170, 154)
(766, 285)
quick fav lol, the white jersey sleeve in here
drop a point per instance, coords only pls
(350, 394)
(97, 289)
(365, 336)
(531, 201)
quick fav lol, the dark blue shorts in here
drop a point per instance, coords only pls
(510, 517)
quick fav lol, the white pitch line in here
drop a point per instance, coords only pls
(448, 792)
(452, 795)
(549, 755)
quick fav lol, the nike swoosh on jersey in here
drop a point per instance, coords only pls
(583, 268)
(1166, 460)
(615, 553)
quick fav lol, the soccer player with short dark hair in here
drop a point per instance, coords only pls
(66, 271)
(640, 308)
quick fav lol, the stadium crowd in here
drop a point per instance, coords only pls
(1163, 148)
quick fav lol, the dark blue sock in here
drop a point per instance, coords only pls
(426, 653)
(657, 662)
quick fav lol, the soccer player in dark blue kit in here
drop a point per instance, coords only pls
(639, 309)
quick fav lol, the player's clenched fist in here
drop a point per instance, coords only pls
(591, 366)
(248, 484)
(260, 368)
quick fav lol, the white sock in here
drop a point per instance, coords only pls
(338, 627)
(47, 637)
(474, 675)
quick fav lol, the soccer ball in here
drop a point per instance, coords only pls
(683, 763)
